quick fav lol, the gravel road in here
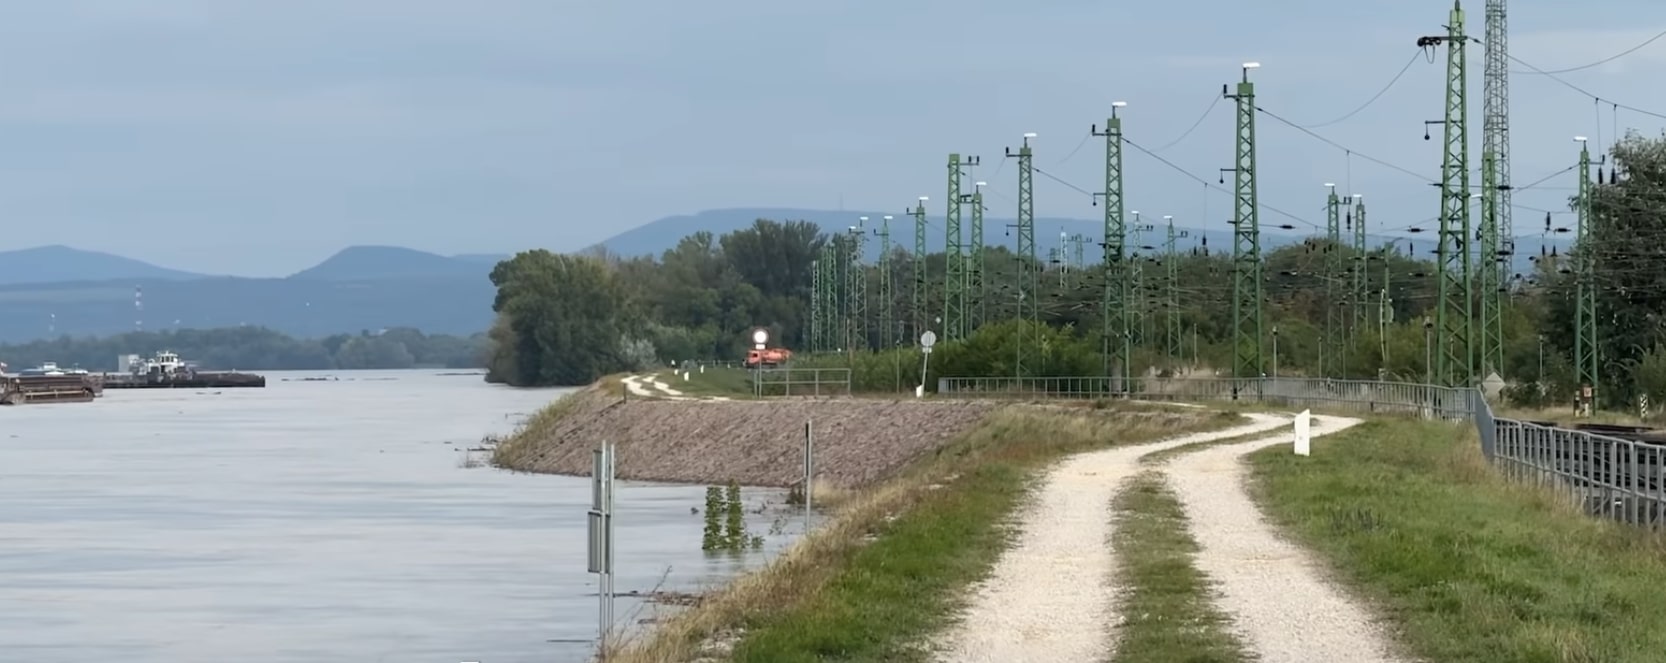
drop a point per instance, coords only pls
(1283, 607)
(1050, 597)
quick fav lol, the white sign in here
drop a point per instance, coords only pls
(928, 339)
(1304, 433)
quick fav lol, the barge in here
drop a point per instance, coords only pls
(60, 388)
(166, 371)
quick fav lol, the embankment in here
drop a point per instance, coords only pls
(757, 443)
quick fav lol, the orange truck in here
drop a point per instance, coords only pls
(767, 357)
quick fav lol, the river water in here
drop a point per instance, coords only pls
(317, 521)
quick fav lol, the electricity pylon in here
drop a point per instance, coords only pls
(1362, 273)
(856, 288)
(887, 315)
(1330, 355)
(977, 288)
(954, 261)
(1171, 263)
(1585, 307)
(1497, 228)
(1029, 277)
(1454, 354)
(815, 306)
(1247, 318)
(921, 322)
(1118, 350)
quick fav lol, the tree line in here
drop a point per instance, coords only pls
(256, 348)
(568, 319)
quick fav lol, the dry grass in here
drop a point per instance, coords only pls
(518, 448)
(892, 567)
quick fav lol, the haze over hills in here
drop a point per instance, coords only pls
(57, 289)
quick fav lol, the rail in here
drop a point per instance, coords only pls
(1609, 476)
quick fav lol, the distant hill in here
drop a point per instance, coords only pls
(488, 259)
(58, 263)
(371, 263)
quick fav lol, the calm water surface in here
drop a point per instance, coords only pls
(314, 521)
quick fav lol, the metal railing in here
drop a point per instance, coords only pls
(1610, 476)
(785, 381)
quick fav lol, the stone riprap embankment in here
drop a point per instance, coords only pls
(757, 443)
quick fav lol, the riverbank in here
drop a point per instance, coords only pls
(753, 443)
(892, 568)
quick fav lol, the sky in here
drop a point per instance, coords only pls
(256, 138)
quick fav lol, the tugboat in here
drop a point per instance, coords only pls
(166, 370)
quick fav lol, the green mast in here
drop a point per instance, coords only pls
(1330, 354)
(1489, 329)
(887, 314)
(977, 289)
(954, 262)
(1495, 187)
(1454, 355)
(1171, 261)
(815, 306)
(1247, 268)
(1138, 304)
(921, 323)
(1117, 349)
(856, 288)
(1029, 276)
(1585, 309)
(1362, 272)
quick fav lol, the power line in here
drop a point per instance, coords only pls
(1209, 185)
(1342, 147)
(1050, 176)
(1598, 63)
(1587, 93)
(1414, 58)
(1195, 125)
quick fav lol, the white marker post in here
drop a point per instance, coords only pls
(927, 340)
(1304, 433)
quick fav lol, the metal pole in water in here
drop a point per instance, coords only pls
(809, 470)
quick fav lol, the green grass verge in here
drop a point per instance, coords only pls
(1469, 565)
(892, 569)
(1167, 609)
(726, 382)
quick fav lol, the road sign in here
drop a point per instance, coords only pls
(928, 339)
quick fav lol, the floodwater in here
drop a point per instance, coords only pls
(317, 521)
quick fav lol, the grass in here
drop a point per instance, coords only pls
(1467, 565)
(892, 568)
(728, 382)
(1168, 612)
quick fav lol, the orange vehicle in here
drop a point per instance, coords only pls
(767, 357)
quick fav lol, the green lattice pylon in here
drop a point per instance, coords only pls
(1362, 273)
(1247, 316)
(1117, 347)
(954, 261)
(1489, 328)
(856, 287)
(1330, 354)
(885, 297)
(1454, 323)
(1171, 304)
(921, 319)
(1585, 309)
(977, 289)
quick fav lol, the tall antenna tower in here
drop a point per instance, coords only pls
(1247, 268)
(1454, 354)
(1585, 306)
(887, 315)
(1331, 354)
(954, 260)
(1497, 231)
(856, 288)
(815, 305)
(921, 322)
(1118, 350)
(138, 308)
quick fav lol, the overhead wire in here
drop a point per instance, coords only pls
(1415, 56)
(1585, 92)
(1598, 63)
(1195, 125)
(1206, 184)
(1344, 148)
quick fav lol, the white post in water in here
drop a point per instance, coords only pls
(600, 523)
(1304, 433)
(809, 470)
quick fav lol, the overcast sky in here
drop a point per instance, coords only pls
(257, 137)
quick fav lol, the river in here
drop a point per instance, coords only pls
(313, 521)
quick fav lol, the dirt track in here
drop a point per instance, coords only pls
(758, 443)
